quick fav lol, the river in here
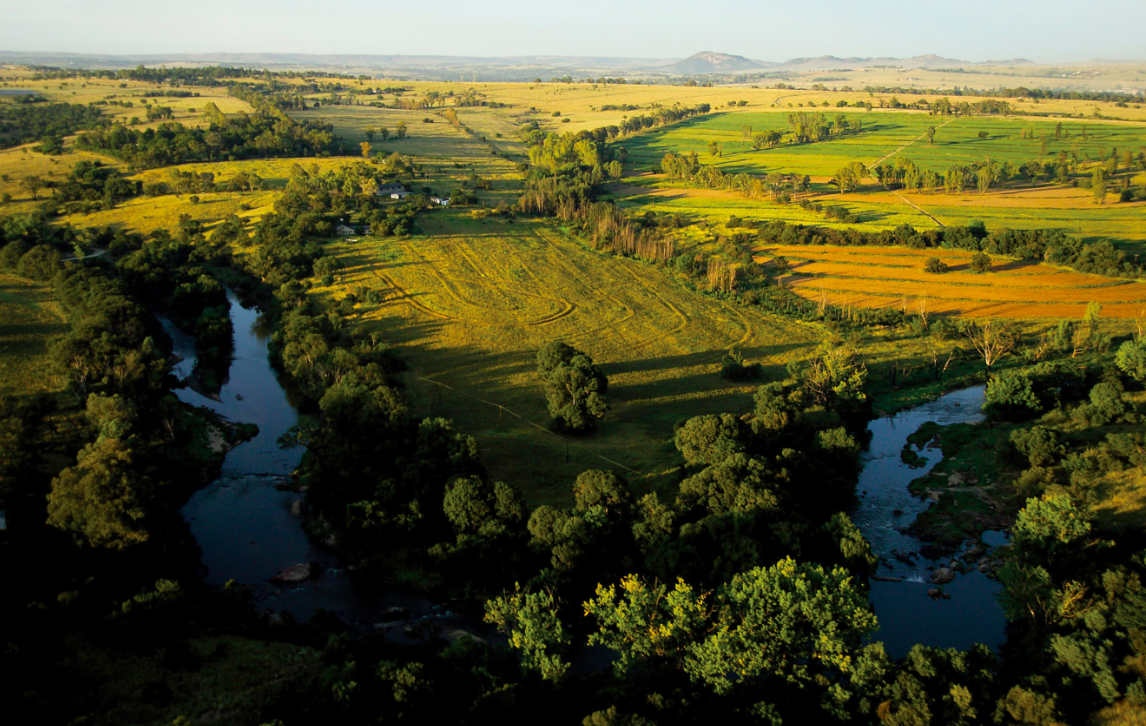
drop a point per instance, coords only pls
(245, 527)
(243, 520)
(907, 614)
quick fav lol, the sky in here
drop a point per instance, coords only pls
(1045, 31)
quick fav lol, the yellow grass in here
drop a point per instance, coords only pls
(469, 304)
(188, 111)
(20, 161)
(894, 277)
(146, 215)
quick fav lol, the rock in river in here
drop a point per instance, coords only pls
(389, 615)
(942, 576)
(295, 573)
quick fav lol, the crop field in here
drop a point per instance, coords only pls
(894, 277)
(470, 303)
(655, 193)
(885, 135)
(29, 319)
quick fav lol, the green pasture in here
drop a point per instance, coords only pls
(884, 135)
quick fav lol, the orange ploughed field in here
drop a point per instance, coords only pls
(877, 277)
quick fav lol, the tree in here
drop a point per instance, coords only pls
(574, 386)
(1131, 359)
(1088, 334)
(33, 184)
(530, 620)
(400, 130)
(477, 507)
(931, 136)
(981, 262)
(1048, 527)
(101, 499)
(647, 621)
(370, 134)
(1011, 396)
(711, 438)
(849, 177)
(365, 146)
(935, 266)
(790, 621)
(992, 338)
(714, 148)
(1098, 185)
(384, 132)
(836, 373)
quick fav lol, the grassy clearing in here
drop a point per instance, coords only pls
(470, 303)
(29, 319)
(894, 277)
(146, 215)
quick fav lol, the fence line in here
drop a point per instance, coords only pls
(513, 413)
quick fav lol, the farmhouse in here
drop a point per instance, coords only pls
(399, 194)
(441, 201)
(389, 188)
(345, 230)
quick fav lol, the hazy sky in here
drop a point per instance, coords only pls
(974, 30)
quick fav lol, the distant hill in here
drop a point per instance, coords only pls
(706, 62)
(827, 62)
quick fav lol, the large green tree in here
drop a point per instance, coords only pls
(791, 621)
(574, 386)
(101, 500)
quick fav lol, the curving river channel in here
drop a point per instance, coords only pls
(246, 522)
(248, 528)
(907, 614)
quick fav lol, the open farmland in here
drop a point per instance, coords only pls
(446, 155)
(894, 277)
(29, 319)
(885, 135)
(470, 304)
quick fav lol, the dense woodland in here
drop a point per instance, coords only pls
(36, 120)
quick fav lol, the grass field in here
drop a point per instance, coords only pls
(470, 303)
(885, 135)
(445, 154)
(29, 319)
(188, 111)
(894, 277)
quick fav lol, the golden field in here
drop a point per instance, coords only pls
(894, 277)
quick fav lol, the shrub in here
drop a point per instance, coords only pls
(981, 262)
(1012, 396)
(1039, 445)
(935, 266)
(733, 368)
